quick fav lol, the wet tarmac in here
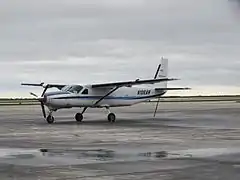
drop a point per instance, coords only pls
(185, 141)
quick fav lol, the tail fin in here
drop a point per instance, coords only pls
(162, 70)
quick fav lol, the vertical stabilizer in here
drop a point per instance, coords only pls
(162, 70)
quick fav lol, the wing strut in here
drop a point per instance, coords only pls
(110, 92)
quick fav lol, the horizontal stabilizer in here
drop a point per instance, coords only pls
(171, 89)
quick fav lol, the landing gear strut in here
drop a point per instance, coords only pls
(79, 116)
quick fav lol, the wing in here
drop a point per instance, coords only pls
(59, 86)
(131, 83)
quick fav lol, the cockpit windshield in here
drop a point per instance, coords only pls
(73, 89)
(65, 88)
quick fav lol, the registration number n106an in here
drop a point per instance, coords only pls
(144, 92)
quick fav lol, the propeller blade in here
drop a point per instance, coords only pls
(44, 91)
(156, 107)
(41, 100)
(43, 110)
(33, 94)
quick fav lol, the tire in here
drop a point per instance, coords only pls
(111, 117)
(79, 117)
(50, 119)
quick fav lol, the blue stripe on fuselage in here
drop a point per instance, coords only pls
(56, 93)
(111, 97)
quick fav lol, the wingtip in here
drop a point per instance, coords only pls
(174, 79)
(32, 84)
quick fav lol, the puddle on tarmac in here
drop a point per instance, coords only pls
(45, 157)
(76, 156)
(107, 155)
(98, 155)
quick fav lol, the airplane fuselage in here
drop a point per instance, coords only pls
(124, 96)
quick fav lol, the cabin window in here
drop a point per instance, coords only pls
(74, 89)
(85, 91)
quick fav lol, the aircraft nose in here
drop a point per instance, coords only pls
(46, 99)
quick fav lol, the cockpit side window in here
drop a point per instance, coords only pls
(75, 89)
(85, 91)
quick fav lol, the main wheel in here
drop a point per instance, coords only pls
(50, 119)
(111, 117)
(79, 117)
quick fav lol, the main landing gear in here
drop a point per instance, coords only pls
(79, 116)
(111, 116)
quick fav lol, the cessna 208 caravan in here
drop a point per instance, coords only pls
(106, 95)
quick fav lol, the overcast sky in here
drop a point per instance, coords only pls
(86, 41)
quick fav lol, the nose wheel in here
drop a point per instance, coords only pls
(50, 119)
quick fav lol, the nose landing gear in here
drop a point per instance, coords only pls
(50, 119)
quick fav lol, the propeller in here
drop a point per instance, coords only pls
(33, 94)
(41, 100)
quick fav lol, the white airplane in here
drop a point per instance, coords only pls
(106, 95)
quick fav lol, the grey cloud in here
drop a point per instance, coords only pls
(99, 40)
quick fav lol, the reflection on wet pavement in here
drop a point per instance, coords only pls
(191, 141)
(102, 155)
